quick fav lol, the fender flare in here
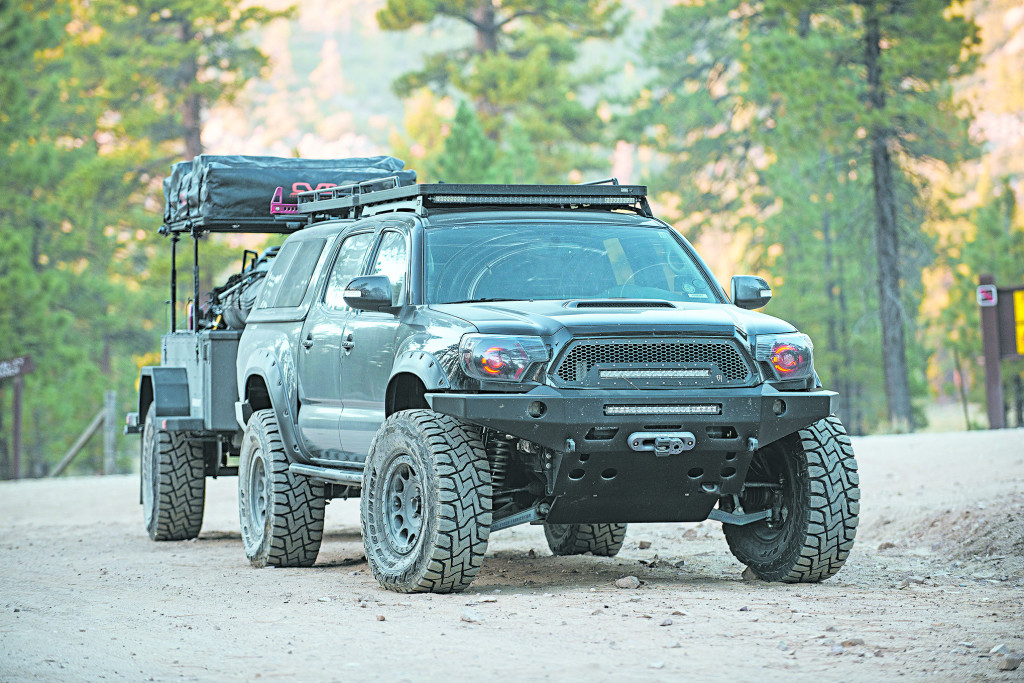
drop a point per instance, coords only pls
(423, 365)
(265, 365)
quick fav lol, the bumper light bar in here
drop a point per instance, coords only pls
(705, 409)
(653, 374)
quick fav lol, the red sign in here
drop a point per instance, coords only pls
(987, 295)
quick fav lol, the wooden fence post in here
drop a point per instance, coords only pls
(109, 432)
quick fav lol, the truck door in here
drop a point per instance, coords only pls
(369, 351)
(320, 351)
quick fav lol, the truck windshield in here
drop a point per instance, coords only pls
(559, 261)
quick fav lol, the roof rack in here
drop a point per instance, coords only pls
(374, 197)
(267, 224)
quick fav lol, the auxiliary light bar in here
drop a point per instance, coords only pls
(531, 200)
(705, 409)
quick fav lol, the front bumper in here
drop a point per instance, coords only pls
(575, 414)
(599, 478)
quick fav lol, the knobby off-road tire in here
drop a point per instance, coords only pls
(426, 503)
(576, 539)
(820, 506)
(173, 483)
(281, 514)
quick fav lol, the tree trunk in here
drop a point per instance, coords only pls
(485, 22)
(890, 301)
(191, 113)
(486, 28)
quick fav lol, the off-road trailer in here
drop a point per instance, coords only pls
(188, 401)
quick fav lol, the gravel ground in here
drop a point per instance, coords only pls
(935, 582)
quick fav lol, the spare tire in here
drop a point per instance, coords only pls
(240, 302)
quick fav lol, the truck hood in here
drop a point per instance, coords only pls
(548, 318)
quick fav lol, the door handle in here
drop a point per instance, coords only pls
(308, 342)
(348, 343)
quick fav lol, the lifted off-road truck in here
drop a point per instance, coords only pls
(466, 358)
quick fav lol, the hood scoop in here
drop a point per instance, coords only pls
(619, 303)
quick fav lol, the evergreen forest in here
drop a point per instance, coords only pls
(866, 157)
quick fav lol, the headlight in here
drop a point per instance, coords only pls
(496, 357)
(789, 355)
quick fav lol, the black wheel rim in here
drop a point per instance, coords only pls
(558, 531)
(403, 505)
(773, 468)
(258, 497)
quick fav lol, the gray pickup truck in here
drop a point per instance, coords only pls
(466, 358)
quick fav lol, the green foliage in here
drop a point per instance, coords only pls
(520, 71)
(762, 118)
(469, 156)
(93, 106)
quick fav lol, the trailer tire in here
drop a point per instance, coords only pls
(281, 514)
(820, 505)
(173, 477)
(426, 503)
(576, 539)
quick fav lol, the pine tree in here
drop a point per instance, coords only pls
(468, 155)
(518, 69)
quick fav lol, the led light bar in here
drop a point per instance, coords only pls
(531, 199)
(699, 409)
(655, 374)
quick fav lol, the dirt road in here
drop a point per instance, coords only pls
(936, 580)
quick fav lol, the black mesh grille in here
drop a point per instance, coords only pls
(584, 355)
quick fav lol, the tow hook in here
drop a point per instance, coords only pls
(662, 443)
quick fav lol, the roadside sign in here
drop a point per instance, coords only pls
(1018, 319)
(987, 295)
(16, 367)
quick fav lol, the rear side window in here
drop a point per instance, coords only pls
(288, 278)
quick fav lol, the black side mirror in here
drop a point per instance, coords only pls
(750, 291)
(369, 293)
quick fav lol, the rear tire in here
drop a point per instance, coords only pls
(576, 539)
(281, 514)
(173, 476)
(820, 504)
(426, 503)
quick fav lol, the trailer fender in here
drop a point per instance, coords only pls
(166, 389)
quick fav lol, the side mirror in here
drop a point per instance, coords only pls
(369, 293)
(750, 291)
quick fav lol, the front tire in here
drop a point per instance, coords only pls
(281, 514)
(426, 503)
(173, 475)
(576, 539)
(818, 503)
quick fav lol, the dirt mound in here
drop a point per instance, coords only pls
(990, 530)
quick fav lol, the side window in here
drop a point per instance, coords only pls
(272, 284)
(392, 261)
(346, 266)
(288, 278)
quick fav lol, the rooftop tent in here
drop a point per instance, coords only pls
(233, 193)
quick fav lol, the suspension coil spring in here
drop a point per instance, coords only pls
(499, 452)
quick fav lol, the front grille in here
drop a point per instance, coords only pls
(665, 354)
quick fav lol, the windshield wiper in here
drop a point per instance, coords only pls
(474, 301)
